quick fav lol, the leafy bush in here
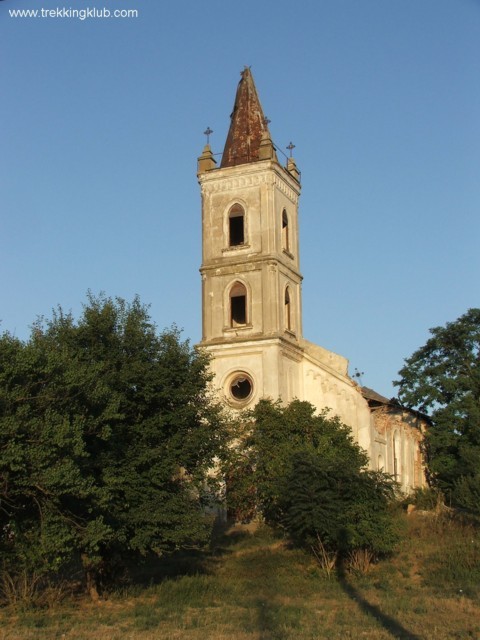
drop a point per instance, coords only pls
(345, 510)
(107, 436)
(425, 498)
(309, 477)
(466, 493)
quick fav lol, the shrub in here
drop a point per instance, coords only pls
(310, 478)
(338, 512)
(426, 498)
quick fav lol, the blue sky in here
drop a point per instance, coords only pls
(103, 119)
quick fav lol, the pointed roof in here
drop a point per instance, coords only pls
(248, 125)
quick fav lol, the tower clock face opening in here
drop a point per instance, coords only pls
(241, 387)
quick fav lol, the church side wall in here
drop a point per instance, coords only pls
(397, 446)
(327, 389)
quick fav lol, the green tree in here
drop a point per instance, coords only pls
(442, 378)
(107, 437)
(305, 473)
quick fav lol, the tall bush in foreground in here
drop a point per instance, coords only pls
(340, 513)
(309, 477)
(106, 439)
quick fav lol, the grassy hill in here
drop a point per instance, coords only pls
(252, 586)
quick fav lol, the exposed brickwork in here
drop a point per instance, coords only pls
(401, 431)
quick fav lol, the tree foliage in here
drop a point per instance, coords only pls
(107, 436)
(305, 473)
(443, 379)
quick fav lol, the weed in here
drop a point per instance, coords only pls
(19, 589)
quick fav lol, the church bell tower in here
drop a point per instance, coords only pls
(251, 296)
(251, 281)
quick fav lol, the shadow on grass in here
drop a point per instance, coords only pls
(388, 623)
(153, 570)
(269, 626)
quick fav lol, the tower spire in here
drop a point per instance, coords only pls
(248, 126)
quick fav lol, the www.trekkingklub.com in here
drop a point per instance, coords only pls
(79, 14)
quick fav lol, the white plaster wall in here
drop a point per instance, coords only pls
(326, 389)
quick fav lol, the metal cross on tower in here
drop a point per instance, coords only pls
(291, 147)
(208, 132)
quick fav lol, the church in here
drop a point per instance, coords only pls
(252, 297)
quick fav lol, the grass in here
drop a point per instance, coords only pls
(254, 587)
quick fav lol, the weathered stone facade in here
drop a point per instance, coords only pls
(397, 443)
(251, 295)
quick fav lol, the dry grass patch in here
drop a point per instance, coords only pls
(254, 587)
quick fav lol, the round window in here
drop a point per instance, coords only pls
(241, 387)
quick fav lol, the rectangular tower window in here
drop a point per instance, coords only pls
(285, 238)
(239, 310)
(288, 311)
(237, 235)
